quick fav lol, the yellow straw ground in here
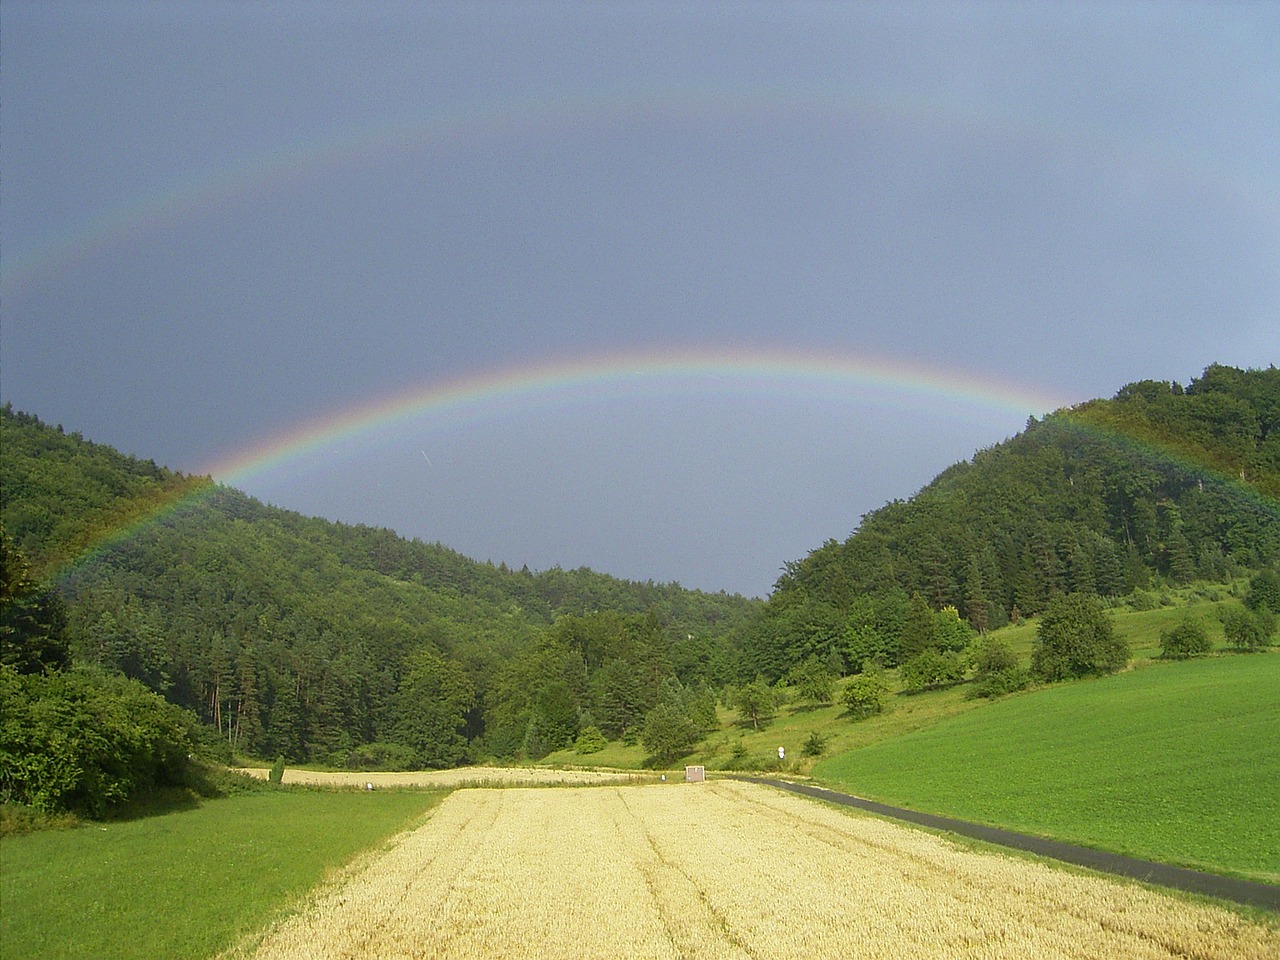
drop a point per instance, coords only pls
(460, 777)
(727, 869)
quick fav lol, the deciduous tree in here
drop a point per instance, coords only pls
(866, 695)
(756, 702)
(1076, 637)
(1187, 639)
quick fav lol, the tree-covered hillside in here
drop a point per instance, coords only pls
(297, 637)
(1159, 484)
(314, 640)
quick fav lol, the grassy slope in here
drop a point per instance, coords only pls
(1175, 762)
(186, 884)
(907, 713)
(1172, 761)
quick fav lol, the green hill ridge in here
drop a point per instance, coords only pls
(316, 641)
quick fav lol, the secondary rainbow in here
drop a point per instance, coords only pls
(469, 126)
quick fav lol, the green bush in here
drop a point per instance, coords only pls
(1141, 600)
(84, 742)
(814, 744)
(1264, 592)
(930, 669)
(381, 756)
(814, 682)
(1076, 637)
(996, 669)
(276, 774)
(1188, 639)
(1245, 630)
(590, 740)
(866, 695)
(668, 733)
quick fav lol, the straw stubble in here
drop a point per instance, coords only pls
(733, 870)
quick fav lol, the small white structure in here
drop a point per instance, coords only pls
(782, 753)
(695, 774)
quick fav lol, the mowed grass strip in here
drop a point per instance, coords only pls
(727, 870)
(1174, 762)
(186, 884)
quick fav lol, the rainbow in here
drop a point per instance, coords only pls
(631, 375)
(626, 377)
(593, 380)
(471, 126)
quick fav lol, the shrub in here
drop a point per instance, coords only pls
(381, 756)
(668, 732)
(813, 680)
(814, 745)
(996, 669)
(1264, 592)
(866, 695)
(87, 743)
(590, 740)
(1076, 637)
(1187, 639)
(1245, 630)
(932, 668)
(1141, 600)
(954, 634)
(276, 773)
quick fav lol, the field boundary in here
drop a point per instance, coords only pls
(1250, 893)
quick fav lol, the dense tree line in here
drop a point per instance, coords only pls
(1159, 484)
(75, 740)
(296, 637)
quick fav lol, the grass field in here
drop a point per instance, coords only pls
(727, 869)
(1177, 762)
(907, 712)
(188, 884)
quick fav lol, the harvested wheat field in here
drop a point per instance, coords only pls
(459, 777)
(726, 869)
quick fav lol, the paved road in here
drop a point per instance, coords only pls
(1247, 892)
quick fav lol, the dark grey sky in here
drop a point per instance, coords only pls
(220, 222)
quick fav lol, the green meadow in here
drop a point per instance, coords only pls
(188, 884)
(1177, 762)
(726, 747)
(1171, 761)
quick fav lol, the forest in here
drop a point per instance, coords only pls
(296, 637)
(280, 635)
(1162, 484)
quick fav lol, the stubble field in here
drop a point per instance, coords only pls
(458, 777)
(725, 869)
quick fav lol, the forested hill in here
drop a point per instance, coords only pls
(315, 640)
(1159, 484)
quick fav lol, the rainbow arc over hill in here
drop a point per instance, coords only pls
(629, 376)
(512, 391)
